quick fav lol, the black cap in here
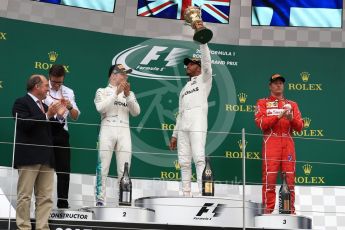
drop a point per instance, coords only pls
(276, 77)
(194, 60)
(118, 68)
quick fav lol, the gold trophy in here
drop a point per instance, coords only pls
(192, 16)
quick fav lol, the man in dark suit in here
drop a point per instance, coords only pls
(34, 156)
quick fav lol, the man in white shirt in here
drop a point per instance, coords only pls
(189, 135)
(114, 103)
(60, 92)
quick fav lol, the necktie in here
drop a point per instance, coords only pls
(41, 106)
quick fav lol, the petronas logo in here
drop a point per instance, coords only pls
(53, 56)
(305, 76)
(307, 169)
(242, 97)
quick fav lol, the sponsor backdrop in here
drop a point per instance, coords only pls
(240, 78)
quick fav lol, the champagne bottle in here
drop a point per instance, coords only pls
(207, 180)
(284, 197)
(125, 196)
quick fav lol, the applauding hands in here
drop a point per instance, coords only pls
(57, 108)
(124, 87)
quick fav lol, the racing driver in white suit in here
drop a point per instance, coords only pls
(191, 123)
(114, 103)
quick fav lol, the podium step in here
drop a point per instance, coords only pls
(283, 221)
(205, 211)
(122, 214)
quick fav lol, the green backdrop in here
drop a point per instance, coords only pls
(315, 79)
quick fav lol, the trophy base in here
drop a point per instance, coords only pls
(203, 35)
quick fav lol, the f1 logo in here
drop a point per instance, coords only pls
(217, 209)
(172, 58)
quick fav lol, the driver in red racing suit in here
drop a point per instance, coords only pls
(277, 117)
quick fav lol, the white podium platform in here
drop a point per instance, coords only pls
(122, 214)
(206, 211)
(283, 221)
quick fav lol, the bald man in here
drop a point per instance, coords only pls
(34, 156)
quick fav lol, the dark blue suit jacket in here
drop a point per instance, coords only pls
(34, 138)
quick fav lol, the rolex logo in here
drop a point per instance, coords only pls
(177, 165)
(305, 76)
(242, 97)
(307, 122)
(307, 169)
(240, 144)
(52, 56)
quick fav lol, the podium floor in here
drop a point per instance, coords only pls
(101, 225)
(171, 213)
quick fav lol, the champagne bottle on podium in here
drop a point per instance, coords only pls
(125, 196)
(207, 179)
(284, 197)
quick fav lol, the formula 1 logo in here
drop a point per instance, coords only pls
(153, 62)
(209, 210)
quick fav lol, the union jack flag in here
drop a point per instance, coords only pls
(211, 10)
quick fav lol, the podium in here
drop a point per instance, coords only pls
(122, 214)
(205, 211)
(283, 221)
(173, 213)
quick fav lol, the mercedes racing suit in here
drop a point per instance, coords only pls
(278, 151)
(114, 133)
(191, 122)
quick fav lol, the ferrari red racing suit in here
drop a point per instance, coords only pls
(278, 151)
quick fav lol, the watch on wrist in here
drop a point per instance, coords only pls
(70, 107)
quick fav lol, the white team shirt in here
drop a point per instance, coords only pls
(63, 92)
(118, 107)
